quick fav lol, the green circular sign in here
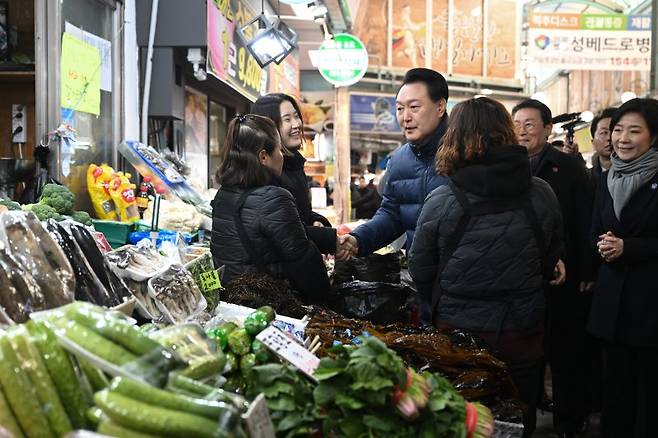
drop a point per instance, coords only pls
(342, 60)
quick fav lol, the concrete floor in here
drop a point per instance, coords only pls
(545, 426)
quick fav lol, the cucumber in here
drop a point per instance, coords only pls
(7, 419)
(205, 366)
(176, 381)
(20, 393)
(155, 420)
(62, 373)
(165, 399)
(96, 377)
(94, 343)
(111, 327)
(110, 428)
(36, 371)
(95, 416)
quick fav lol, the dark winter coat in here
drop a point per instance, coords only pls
(626, 293)
(569, 181)
(367, 203)
(277, 235)
(410, 177)
(595, 172)
(293, 179)
(493, 282)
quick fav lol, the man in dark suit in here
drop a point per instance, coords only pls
(568, 303)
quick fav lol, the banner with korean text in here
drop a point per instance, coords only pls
(590, 41)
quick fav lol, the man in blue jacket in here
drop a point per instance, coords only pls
(410, 174)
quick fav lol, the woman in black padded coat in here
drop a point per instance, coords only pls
(256, 225)
(286, 115)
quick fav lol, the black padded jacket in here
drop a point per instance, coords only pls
(275, 232)
(493, 282)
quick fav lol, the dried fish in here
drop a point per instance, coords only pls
(54, 254)
(28, 293)
(24, 245)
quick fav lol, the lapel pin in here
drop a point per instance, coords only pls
(654, 186)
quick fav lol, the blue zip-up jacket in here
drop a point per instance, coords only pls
(410, 177)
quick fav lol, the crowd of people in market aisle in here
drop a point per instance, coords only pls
(507, 236)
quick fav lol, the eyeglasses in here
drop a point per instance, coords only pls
(527, 126)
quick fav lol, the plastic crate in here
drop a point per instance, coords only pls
(116, 233)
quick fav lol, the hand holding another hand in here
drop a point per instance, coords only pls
(346, 247)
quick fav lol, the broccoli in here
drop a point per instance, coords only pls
(58, 197)
(43, 212)
(11, 205)
(82, 217)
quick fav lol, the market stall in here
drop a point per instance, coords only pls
(143, 340)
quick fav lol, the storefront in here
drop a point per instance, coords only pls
(51, 47)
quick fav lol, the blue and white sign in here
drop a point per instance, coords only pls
(370, 113)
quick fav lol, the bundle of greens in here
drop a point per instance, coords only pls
(367, 391)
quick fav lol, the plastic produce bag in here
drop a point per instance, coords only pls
(381, 303)
(375, 267)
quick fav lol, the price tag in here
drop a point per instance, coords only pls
(210, 280)
(290, 350)
(258, 421)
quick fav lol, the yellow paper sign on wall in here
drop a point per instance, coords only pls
(80, 75)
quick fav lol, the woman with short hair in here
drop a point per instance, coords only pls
(256, 226)
(486, 242)
(625, 299)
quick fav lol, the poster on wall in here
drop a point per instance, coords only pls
(196, 135)
(80, 69)
(370, 24)
(409, 31)
(502, 39)
(590, 41)
(230, 61)
(467, 38)
(373, 114)
(411, 21)
(439, 49)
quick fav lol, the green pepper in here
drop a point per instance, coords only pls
(247, 363)
(256, 322)
(269, 311)
(219, 336)
(232, 361)
(261, 352)
(239, 342)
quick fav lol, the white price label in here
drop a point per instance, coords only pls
(290, 350)
(258, 421)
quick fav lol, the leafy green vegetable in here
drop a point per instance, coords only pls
(82, 217)
(11, 205)
(58, 197)
(43, 212)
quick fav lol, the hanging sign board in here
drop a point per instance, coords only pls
(342, 60)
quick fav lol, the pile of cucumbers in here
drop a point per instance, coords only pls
(47, 392)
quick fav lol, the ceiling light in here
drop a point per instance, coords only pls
(627, 95)
(268, 43)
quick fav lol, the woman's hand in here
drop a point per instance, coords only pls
(610, 246)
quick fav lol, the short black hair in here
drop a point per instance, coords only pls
(238, 158)
(647, 108)
(437, 87)
(544, 111)
(606, 113)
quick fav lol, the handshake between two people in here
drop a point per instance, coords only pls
(346, 247)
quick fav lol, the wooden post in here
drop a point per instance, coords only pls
(342, 171)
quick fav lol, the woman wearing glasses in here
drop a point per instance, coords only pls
(625, 230)
(256, 226)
